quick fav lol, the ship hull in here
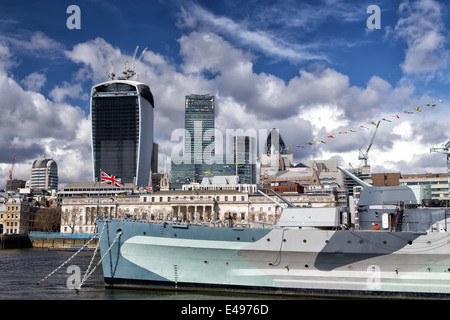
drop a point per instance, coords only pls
(351, 263)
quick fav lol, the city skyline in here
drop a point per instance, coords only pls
(309, 69)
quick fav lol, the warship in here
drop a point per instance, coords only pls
(399, 248)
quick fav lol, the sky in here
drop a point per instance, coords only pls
(316, 70)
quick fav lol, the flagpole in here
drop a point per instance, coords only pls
(98, 192)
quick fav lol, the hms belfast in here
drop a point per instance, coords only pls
(400, 249)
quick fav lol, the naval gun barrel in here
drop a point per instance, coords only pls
(355, 178)
(274, 201)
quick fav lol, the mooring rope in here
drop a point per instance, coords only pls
(51, 273)
(93, 256)
(119, 233)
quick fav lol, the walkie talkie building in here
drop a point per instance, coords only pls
(122, 130)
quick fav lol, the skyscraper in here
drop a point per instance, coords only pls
(245, 158)
(122, 130)
(198, 141)
(44, 174)
(199, 126)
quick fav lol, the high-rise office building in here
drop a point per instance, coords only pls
(245, 158)
(199, 126)
(198, 141)
(44, 174)
(122, 130)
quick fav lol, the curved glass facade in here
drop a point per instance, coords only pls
(122, 131)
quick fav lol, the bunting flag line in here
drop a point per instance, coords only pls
(430, 106)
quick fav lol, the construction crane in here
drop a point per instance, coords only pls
(11, 172)
(129, 71)
(365, 155)
(444, 150)
(12, 168)
(111, 74)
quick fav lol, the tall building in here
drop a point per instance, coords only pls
(200, 160)
(199, 126)
(44, 174)
(245, 158)
(122, 130)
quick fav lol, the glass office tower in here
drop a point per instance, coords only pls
(199, 141)
(199, 122)
(245, 158)
(122, 130)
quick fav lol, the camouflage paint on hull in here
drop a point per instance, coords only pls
(276, 260)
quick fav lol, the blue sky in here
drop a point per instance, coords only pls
(310, 68)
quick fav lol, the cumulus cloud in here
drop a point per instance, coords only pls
(59, 94)
(34, 81)
(421, 25)
(32, 126)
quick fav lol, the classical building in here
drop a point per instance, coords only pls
(78, 214)
(14, 216)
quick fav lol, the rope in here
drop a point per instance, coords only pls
(98, 263)
(51, 273)
(93, 256)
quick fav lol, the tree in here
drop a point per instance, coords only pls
(48, 219)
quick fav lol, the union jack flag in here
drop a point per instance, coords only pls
(111, 179)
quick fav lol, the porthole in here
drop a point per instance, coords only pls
(268, 239)
(304, 240)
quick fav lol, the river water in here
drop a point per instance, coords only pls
(20, 269)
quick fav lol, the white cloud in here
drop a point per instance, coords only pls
(59, 94)
(421, 25)
(32, 126)
(34, 81)
(260, 40)
(35, 43)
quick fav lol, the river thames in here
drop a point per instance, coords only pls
(21, 269)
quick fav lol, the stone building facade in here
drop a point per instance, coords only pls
(78, 214)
